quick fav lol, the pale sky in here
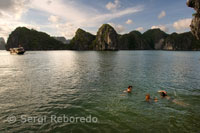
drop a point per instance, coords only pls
(64, 17)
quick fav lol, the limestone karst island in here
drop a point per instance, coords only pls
(105, 39)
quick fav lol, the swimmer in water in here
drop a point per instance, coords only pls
(147, 97)
(163, 94)
(155, 99)
(129, 89)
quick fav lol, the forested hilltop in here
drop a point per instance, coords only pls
(33, 40)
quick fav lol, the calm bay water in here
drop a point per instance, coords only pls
(82, 84)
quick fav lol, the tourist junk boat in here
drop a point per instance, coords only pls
(20, 50)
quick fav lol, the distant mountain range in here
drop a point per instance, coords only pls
(62, 39)
(106, 39)
(2, 43)
(153, 39)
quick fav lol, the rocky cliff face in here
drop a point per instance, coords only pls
(106, 39)
(2, 44)
(195, 24)
(82, 40)
(155, 38)
(184, 41)
(133, 41)
(33, 40)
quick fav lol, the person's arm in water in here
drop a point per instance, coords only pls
(179, 102)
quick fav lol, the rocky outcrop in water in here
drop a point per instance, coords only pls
(82, 41)
(33, 40)
(195, 24)
(106, 39)
(2, 43)
(155, 38)
(183, 41)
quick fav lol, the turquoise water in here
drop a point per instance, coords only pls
(82, 84)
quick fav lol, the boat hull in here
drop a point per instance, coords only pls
(19, 51)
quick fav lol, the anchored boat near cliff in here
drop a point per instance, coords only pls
(20, 50)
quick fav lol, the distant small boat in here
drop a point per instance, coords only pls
(19, 51)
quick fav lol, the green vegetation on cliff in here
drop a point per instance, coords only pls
(184, 41)
(133, 41)
(155, 38)
(195, 24)
(106, 39)
(82, 41)
(33, 40)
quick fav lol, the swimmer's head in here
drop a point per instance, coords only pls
(163, 94)
(147, 97)
(155, 99)
(130, 86)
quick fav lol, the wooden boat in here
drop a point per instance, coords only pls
(19, 51)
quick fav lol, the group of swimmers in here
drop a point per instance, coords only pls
(163, 94)
(147, 97)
